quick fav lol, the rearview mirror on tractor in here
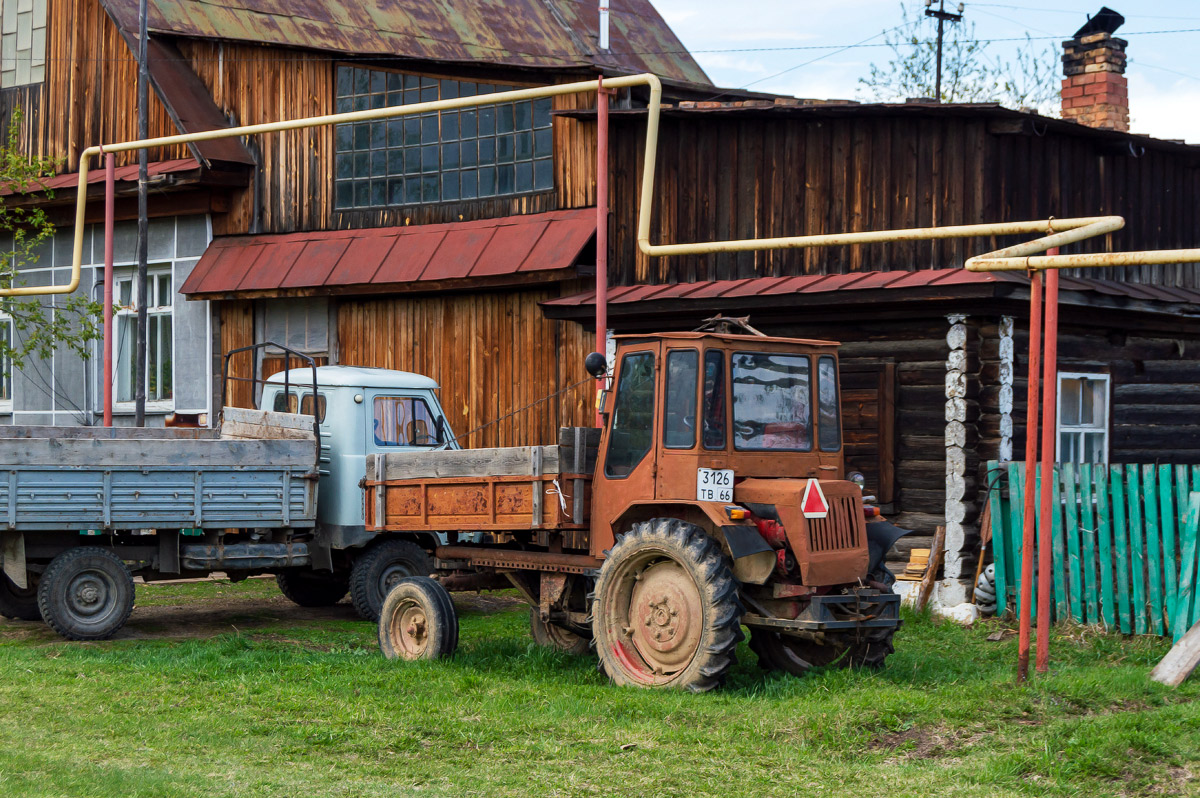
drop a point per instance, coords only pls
(596, 364)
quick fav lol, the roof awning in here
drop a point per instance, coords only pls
(514, 250)
(842, 295)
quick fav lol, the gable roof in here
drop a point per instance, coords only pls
(522, 33)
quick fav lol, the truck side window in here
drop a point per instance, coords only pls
(286, 403)
(772, 402)
(404, 421)
(633, 415)
(714, 399)
(679, 411)
(829, 427)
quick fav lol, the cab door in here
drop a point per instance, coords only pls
(692, 463)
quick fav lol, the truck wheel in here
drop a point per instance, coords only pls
(666, 611)
(86, 593)
(553, 636)
(309, 589)
(378, 570)
(418, 621)
(18, 603)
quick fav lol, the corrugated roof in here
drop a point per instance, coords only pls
(120, 174)
(492, 252)
(524, 33)
(933, 283)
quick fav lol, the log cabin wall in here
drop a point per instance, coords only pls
(88, 96)
(723, 176)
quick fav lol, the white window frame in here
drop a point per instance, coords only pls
(1101, 427)
(127, 315)
(6, 367)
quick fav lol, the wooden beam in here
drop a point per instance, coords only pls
(1180, 661)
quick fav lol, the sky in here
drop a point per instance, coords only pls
(792, 46)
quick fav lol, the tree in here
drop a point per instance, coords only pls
(970, 73)
(40, 325)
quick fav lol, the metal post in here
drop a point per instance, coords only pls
(110, 160)
(601, 226)
(143, 88)
(1031, 436)
(1049, 432)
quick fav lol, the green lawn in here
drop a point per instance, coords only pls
(222, 689)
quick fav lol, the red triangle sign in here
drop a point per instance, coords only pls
(814, 505)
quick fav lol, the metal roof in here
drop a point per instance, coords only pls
(522, 33)
(126, 174)
(508, 251)
(933, 284)
(356, 377)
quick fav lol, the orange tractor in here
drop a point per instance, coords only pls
(714, 497)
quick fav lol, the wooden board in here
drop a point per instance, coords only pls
(1180, 661)
(514, 461)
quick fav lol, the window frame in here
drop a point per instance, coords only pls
(622, 368)
(1103, 428)
(6, 366)
(375, 399)
(695, 383)
(127, 314)
(837, 407)
(802, 357)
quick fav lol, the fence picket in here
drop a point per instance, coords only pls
(1087, 529)
(1169, 522)
(1120, 530)
(1071, 530)
(1154, 581)
(1000, 538)
(1137, 548)
(1057, 547)
(1187, 569)
(1016, 506)
(1104, 525)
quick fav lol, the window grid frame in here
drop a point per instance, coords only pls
(125, 315)
(1078, 431)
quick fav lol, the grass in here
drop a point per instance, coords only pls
(287, 704)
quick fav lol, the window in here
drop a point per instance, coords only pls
(632, 427)
(404, 421)
(829, 426)
(444, 156)
(679, 431)
(22, 42)
(1082, 418)
(286, 403)
(160, 349)
(6, 366)
(772, 403)
(714, 399)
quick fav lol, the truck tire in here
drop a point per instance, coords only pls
(86, 593)
(552, 636)
(18, 603)
(377, 571)
(666, 611)
(418, 621)
(310, 589)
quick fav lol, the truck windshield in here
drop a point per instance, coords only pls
(772, 402)
(404, 421)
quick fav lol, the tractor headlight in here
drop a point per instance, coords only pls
(857, 479)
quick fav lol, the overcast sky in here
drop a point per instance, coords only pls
(798, 38)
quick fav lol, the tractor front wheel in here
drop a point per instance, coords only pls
(666, 610)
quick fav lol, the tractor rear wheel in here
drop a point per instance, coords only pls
(312, 589)
(553, 636)
(418, 621)
(377, 571)
(19, 603)
(666, 610)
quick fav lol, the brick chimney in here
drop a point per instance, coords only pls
(1094, 91)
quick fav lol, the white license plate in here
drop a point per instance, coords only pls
(714, 484)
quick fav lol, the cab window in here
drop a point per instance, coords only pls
(713, 420)
(632, 427)
(829, 425)
(286, 403)
(772, 402)
(679, 429)
(403, 421)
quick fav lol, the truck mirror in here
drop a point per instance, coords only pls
(596, 364)
(440, 429)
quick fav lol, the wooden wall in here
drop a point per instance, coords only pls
(491, 353)
(236, 331)
(724, 177)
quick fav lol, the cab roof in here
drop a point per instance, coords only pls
(738, 340)
(355, 377)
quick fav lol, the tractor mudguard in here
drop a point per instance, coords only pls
(881, 536)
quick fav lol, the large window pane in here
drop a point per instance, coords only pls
(403, 421)
(679, 429)
(631, 432)
(714, 399)
(829, 425)
(772, 402)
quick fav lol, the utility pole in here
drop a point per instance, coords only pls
(143, 91)
(942, 16)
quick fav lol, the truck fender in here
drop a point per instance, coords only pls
(12, 549)
(881, 536)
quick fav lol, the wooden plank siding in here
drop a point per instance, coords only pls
(722, 176)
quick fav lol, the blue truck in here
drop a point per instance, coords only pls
(84, 510)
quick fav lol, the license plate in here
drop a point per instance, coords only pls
(714, 484)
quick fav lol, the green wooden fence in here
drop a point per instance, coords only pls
(1124, 543)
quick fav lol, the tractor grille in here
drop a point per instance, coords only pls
(837, 530)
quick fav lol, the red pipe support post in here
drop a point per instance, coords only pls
(601, 228)
(109, 214)
(1049, 452)
(1025, 603)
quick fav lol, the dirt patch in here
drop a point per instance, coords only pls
(925, 743)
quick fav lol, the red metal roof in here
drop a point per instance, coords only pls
(864, 281)
(504, 251)
(127, 174)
